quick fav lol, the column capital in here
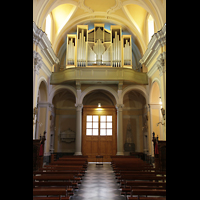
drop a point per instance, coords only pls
(119, 107)
(79, 107)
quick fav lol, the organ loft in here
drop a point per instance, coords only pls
(98, 47)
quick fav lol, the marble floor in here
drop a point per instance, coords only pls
(99, 183)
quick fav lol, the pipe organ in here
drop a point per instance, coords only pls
(98, 47)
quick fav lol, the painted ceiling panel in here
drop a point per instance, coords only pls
(100, 5)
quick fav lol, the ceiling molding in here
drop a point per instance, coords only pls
(81, 4)
(117, 6)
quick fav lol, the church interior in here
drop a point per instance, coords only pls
(99, 80)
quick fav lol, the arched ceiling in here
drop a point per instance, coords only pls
(131, 14)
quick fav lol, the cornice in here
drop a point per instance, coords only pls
(40, 39)
(158, 40)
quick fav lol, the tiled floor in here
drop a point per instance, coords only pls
(99, 183)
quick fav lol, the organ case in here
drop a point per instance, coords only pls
(99, 46)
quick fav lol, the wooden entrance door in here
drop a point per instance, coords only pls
(99, 132)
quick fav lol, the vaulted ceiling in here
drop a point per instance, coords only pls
(130, 14)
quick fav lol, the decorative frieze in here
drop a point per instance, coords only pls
(37, 59)
(39, 64)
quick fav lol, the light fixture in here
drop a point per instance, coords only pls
(99, 105)
(160, 101)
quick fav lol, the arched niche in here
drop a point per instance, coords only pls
(134, 112)
(65, 119)
(42, 92)
(154, 93)
(155, 110)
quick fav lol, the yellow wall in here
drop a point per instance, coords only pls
(42, 119)
(155, 120)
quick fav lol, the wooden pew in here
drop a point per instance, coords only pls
(75, 173)
(49, 191)
(68, 185)
(128, 163)
(66, 162)
(74, 156)
(65, 167)
(126, 159)
(141, 177)
(57, 174)
(58, 177)
(66, 177)
(136, 168)
(145, 178)
(142, 185)
(153, 192)
(73, 159)
(162, 173)
(147, 198)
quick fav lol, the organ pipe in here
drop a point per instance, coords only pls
(81, 57)
(71, 52)
(127, 53)
(116, 51)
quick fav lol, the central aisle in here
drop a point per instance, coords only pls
(99, 183)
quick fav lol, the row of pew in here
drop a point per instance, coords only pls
(59, 179)
(138, 179)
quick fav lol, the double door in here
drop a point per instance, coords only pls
(99, 132)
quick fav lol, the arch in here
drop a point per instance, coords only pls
(139, 88)
(47, 7)
(40, 80)
(155, 13)
(57, 88)
(87, 18)
(92, 88)
(155, 80)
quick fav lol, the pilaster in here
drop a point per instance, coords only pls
(78, 141)
(120, 149)
(37, 63)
